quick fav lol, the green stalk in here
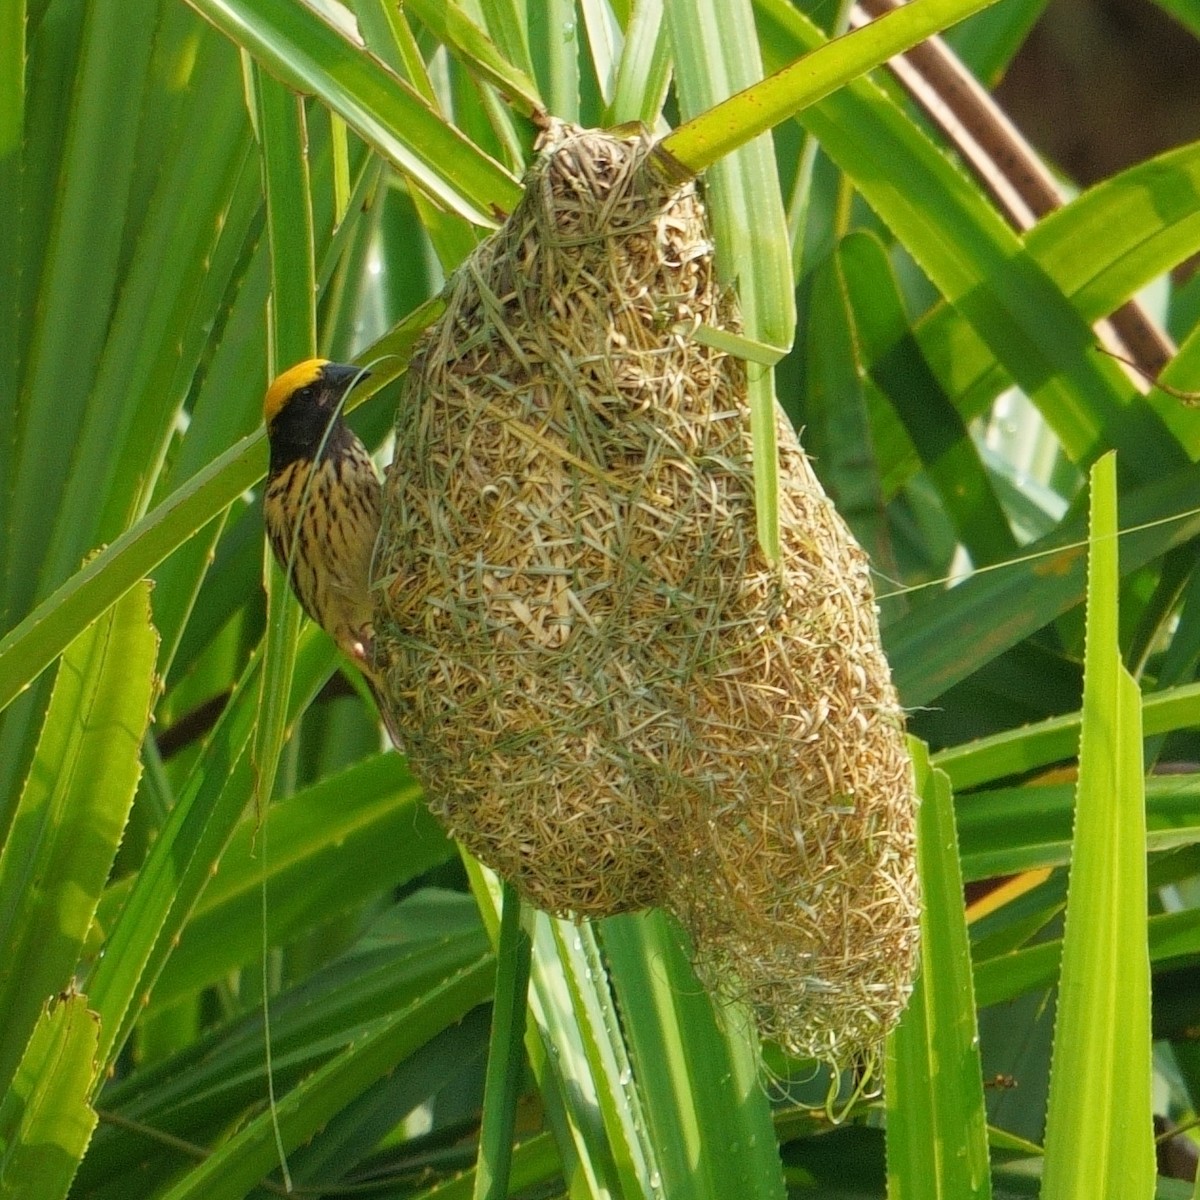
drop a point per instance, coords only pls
(716, 52)
(722, 128)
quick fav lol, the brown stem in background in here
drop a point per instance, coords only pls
(1010, 169)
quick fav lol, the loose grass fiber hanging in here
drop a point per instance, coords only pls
(609, 693)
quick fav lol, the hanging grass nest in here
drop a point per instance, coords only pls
(609, 693)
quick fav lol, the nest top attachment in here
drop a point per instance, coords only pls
(609, 694)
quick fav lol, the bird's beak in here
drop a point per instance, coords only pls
(344, 374)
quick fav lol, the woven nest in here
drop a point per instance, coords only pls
(611, 696)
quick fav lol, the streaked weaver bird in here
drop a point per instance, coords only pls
(322, 506)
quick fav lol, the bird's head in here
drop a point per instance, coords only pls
(314, 384)
(302, 404)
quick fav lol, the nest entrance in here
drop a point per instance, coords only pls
(610, 695)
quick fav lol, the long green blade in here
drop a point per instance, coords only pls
(716, 53)
(243, 1161)
(936, 1125)
(506, 1054)
(30, 647)
(1099, 1133)
(186, 852)
(283, 142)
(72, 813)
(310, 55)
(720, 130)
(696, 1069)
(46, 1119)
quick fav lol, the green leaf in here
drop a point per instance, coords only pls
(508, 23)
(716, 52)
(1007, 975)
(506, 1054)
(535, 1162)
(1006, 830)
(644, 68)
(185, 855)
(46, 1119)
(12, 84)
(454, 29)
(413, 947)
(1099, 1131)
(836, 430)
(80, 276)
(577, 1052)
(283, 148)
(244, 1160)
(12, 185)
(1017, 751)
(1100, 249)
(1184, 11)
(936, 1124)
(697, 1070)
(190, 235)
(446, 1064)
(579, 1015)
(554, 50)
(978, 264)
(29, 648)
(1142, 222)
(707, 138)
(956, 632)
(283, 143)
(308, 54)
(333, 846)
(893, 358)
(72, 813)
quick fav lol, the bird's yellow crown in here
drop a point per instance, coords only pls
(294, 378)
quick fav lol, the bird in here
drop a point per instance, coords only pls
(322, 507)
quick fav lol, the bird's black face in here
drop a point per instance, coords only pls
(304, 422)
